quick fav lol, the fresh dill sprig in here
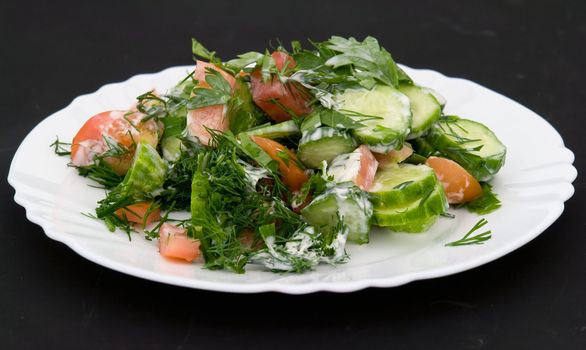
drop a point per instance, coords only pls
(468, 239)
(102, 173)
(61, 148)
(149, 235)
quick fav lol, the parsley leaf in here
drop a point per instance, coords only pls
(199, 50)
(370, 61)
(244, 60)
(486, 203)
(218, 93)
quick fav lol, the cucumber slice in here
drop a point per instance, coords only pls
(147, 172)
(439, 98)
(471, 144)
(323, 143)
(401, 184)
(389, 105)
(345, 201)
(424, 107)
(275, 131)
(414, 215)
(171, 148)
(417, 226)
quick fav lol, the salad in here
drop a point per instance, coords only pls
(283, 157)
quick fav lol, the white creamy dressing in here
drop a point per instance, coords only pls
(345, 167)
(381, 147)
(253, 174)
(87, 150)
(298, 246)
(317, 134)
(339, 243)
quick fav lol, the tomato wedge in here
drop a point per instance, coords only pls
(125, 128)
(292, 174)
(281, 58)
(175, 244)
(459, 185)
(211, 117)
(280, 100)
(368, 166)
(135, 213)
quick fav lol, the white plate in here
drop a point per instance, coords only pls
(533, 186)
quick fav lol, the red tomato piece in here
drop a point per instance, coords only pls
(292, 175)
(126, 128)
(175, 244)
(211, 117)
(281, 58)
(280, 100)
(459, 185)
(135, 213)
(368, 166)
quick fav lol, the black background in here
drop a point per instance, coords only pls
(533, 52)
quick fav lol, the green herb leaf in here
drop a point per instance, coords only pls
(244, 60)
(373, 63)
(218, 93)
(336, 119)
(267, 67)
(486, 203)
(199, 50)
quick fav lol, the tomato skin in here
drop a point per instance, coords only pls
(89, 140)
(292, 175)
(368, 166)
(459, 185)
(281, 58)
(135, 213)
(175, 244)
(276, 98)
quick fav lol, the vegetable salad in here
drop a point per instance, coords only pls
(284, 157)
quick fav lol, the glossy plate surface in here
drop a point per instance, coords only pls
(533, 186)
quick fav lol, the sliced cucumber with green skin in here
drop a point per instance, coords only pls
(438, 97)
(402, 183)
(423, 147)
(417, 226)
(391, 111)
(414, 214)
(323, 143)
(171, 148)
(345, 201)
(147, 172)
(424, 107)
(275, 131)
(471, 144)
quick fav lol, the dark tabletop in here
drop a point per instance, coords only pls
(535, 297)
